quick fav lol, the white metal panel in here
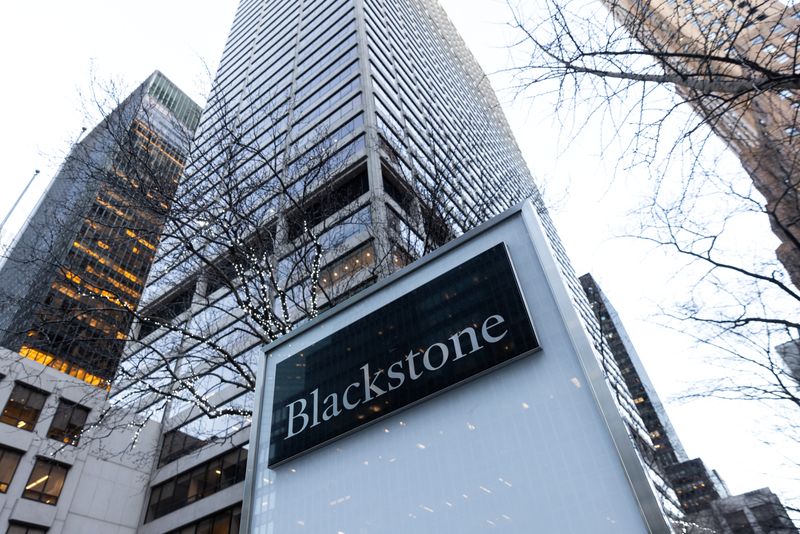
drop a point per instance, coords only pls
(524, 448)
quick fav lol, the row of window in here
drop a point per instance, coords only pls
(45, 481)
(25, 405)
(222, 522)
(201, 481)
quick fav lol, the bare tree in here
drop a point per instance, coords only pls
(667, 80)
(732, 64)
(271, 223)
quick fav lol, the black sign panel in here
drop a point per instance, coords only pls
(456, 326)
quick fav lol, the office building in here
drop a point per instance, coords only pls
(754, 512)
(667, 448)
(702, 495)
(341, 141)
(699, 39)
(694, 485)
(78, 268)
(59, 471)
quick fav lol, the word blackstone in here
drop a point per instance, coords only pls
(305, 413)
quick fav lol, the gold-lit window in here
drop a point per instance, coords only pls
(23, 407)
(347, 266)
(46, 481)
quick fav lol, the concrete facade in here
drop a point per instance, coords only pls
(108, 471)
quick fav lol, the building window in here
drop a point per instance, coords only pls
(68, 422)
(9, 460)
(23, 407)
(223, 522)
(20, 528)
(738, 522)
(46, 481)
(201, 481)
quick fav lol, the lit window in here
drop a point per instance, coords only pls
(758, 39)
(770, 48)
(9, 460)
(46, 481)
(23, 407)
(68, 422)
(792, 131)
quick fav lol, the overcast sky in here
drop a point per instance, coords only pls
(52, 48)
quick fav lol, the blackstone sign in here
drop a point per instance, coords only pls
(453, 328)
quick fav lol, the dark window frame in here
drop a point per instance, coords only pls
(70, 432)
(21, 411)
(7, 454)
(44, 492)
(192, 485)
(209, 523)
(16, 527)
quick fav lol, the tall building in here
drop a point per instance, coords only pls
(667, 448)
(754, 44)
(702, 494)
(694, 485)
(60, 473)
(77, 270)
(754, 512)
(342, 140)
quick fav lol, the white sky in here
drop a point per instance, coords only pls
(51, 47)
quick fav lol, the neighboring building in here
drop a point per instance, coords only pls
(790, 352)
(78, 268)
(761, 128)
(695, 485)
(754, 512)
(414, 150)
(58, 474)
(667, 448)
(702, 494)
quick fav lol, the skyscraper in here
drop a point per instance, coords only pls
(72, 278)
(702, 494)
(695, 486)
(666, 446)
(342, 140)
(713, 46)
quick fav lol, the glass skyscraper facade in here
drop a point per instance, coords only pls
(78, 269)
(342, 140)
